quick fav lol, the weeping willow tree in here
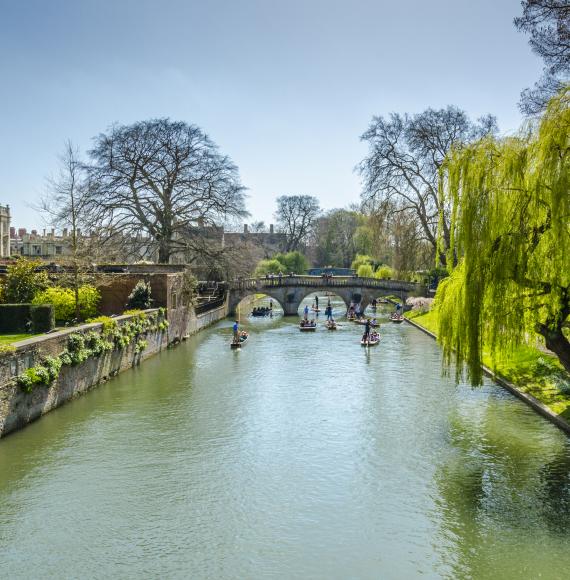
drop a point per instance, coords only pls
(510, 223)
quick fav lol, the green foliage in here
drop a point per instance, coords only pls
(269, 267)
(108, 324)
(293, 262)
(63, 300)
(23, 282)
(365, 271)
(16, 318)
(81, 347)
(7, 349)
(383, 273)
(140, 297)
(361, 260)
(140, 346)
(510, 226)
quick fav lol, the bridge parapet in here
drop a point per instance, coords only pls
(289, 291)
(259, 284)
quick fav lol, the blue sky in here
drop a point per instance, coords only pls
(284, 87)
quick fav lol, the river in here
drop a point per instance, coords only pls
(303, 455)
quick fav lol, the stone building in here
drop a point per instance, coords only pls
(4, 231)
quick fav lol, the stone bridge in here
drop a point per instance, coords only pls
(289, 291)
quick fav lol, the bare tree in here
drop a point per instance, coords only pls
(402, 165)
(66, 204)
(548, 24)
(166, 179)
(296, 216)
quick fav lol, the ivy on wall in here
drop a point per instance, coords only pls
(82, 346)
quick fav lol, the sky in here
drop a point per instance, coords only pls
(284, 87)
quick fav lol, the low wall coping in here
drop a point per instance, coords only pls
(36, 340)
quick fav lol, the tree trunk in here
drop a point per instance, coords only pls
(557, 343)
(163, 253)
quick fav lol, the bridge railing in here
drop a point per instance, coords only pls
(257, 284)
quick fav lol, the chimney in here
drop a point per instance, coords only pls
(34, 232)
(44, 233)
(12, 232)
(52, 232)
(245, 230)
(270, 228)
(21, 232)
(65, 232)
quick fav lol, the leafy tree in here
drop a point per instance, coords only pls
(548, 24)
(272, 266)
(24, 281)
(365, 271)
(383, 273)
(293, 262)
(296, 216)
(140, 297)
(361, 260)
(510, 208)
(400, 172)
(166, 179)
(336, 237)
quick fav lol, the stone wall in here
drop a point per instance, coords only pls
(18, 408)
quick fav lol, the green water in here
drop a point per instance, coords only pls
(302, 456)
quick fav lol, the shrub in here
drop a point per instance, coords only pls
(108, 324)
(269, 267)
(26, 318)
(63, 301)
(7, 349)
(140, 297)
(292, 262)
(361, 260)
(365, 271)
(383, 273)
(43, 317)
(23, 282)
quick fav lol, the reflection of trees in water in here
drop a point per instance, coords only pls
(504, 490)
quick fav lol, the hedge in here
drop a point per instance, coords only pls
(20, 318)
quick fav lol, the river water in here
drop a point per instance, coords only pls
(303, 455)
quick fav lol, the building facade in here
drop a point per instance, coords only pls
(4, 231)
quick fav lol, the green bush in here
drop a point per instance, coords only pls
(140, 297)
(23, 282)
(269, 267)
(361, 260)
(383, 273)
(43, 317)
(365, 271)
(63, 301)
(293, 262)
(19, 318)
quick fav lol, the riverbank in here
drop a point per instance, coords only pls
(41, 373)
(533, 373)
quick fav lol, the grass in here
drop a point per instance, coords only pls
(533, 371)
(10, 338)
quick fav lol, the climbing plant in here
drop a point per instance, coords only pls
(509, 201)
(82, 346)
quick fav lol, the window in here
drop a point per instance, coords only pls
(58, 250)
(37, 250)
(174, 301)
